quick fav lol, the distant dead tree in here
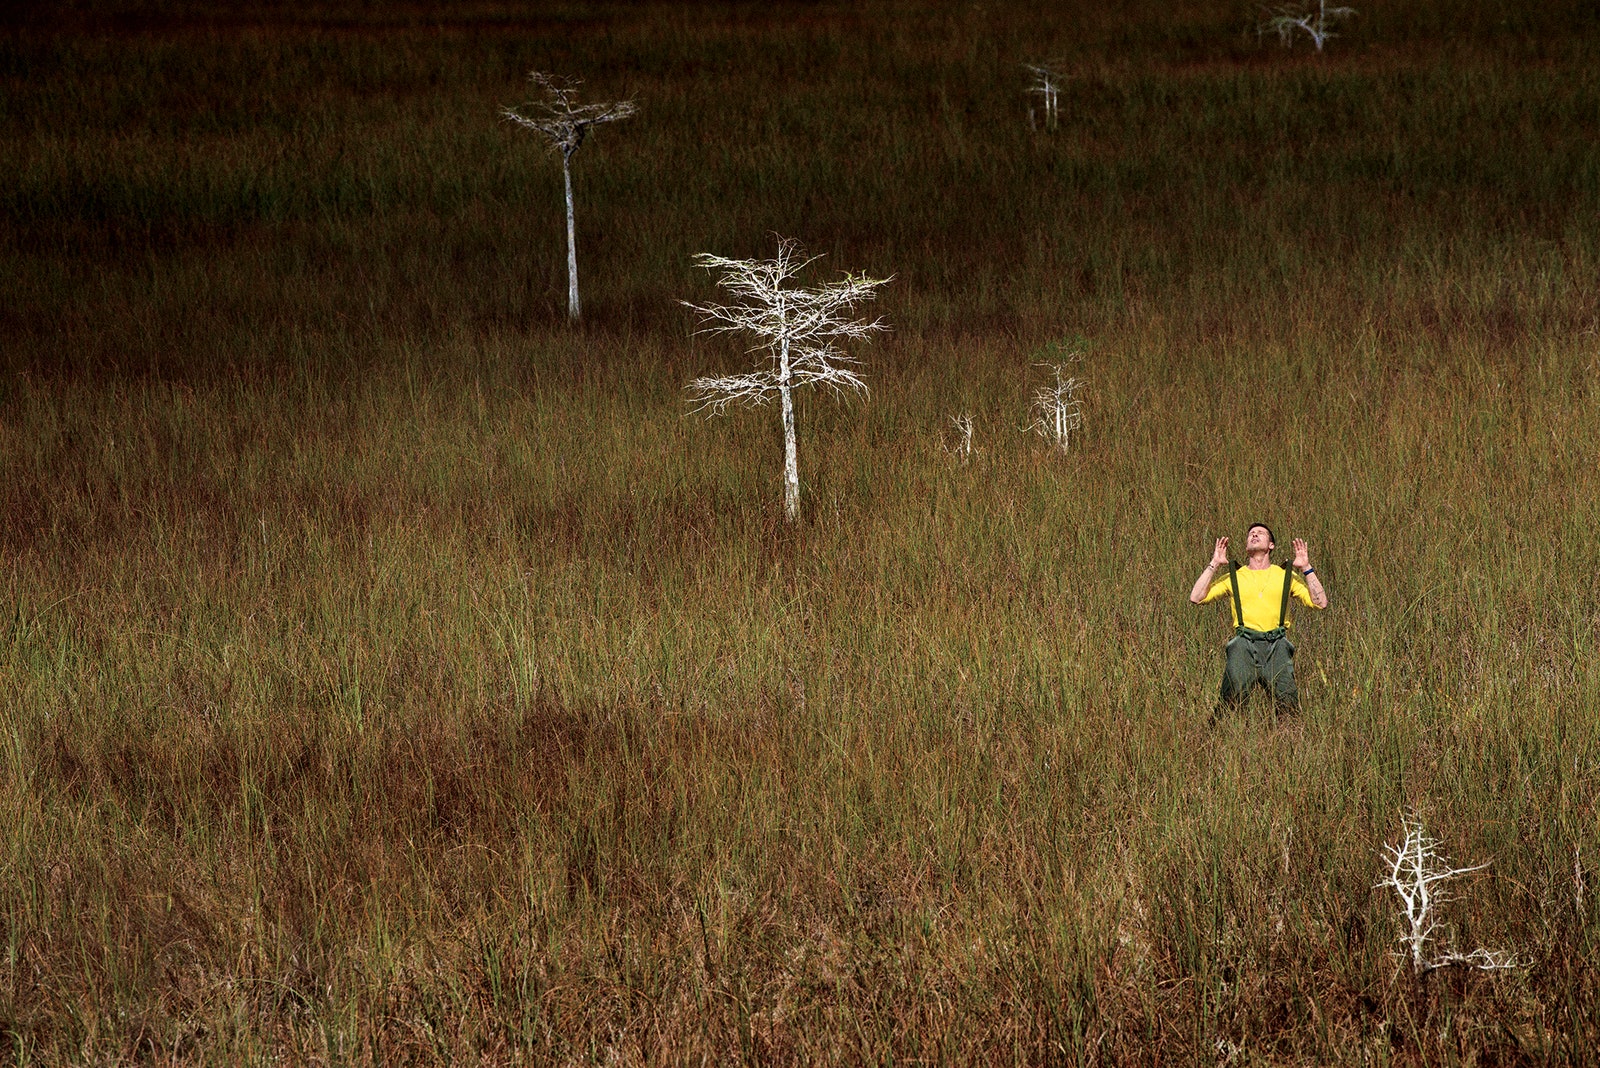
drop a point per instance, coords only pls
(797, 328)
(1047, 83)
(565, 122)
(1058, 406)
(1317, 23)
(960, 444)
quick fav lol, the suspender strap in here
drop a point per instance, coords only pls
(1283, 609)
(1238, 605)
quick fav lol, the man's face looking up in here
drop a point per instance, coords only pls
(1258, 538)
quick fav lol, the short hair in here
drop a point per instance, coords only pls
(1264, 527)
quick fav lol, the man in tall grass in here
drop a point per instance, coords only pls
(1259, 591)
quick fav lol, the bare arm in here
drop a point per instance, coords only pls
(1302, 560)
(1219, 557)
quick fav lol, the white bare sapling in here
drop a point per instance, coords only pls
(1316, 22)
(798, 329)
(1058, 406)
(960, 445)
(1047, 84)
(565, 122)
(1417, 872)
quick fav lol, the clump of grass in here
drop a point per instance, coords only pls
(386, 678)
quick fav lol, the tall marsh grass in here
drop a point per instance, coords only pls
(388, 672)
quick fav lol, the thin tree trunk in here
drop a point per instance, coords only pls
(791, 461)
(574, 312)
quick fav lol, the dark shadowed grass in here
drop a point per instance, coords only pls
(391, 673)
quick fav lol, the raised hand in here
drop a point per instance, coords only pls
(1219, 555)
(1302, 554)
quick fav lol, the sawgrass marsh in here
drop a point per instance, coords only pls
(390, 671)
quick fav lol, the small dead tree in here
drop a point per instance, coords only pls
(1047, 83)
(565, 122)
(798, 329)
(1317, 22)
(1417, 872)
(1058, 407)
(960, 445)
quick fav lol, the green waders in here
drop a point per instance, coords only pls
(1260, 656)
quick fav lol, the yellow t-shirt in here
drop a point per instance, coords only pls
(1262, 594)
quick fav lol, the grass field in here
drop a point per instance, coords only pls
(392, 672)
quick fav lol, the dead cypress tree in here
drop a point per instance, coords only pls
(565, 122)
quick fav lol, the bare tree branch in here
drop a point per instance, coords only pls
(559, 116)
(1417, 872)
(1317, 24)
(960, 445)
